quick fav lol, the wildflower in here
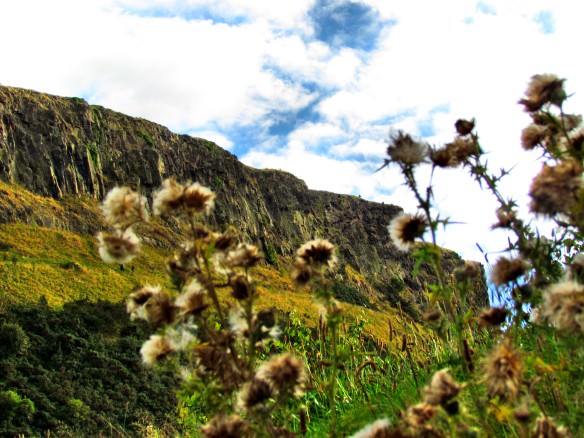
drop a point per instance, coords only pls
(563, 306)
(139, 297)
(284, 373)
(405, 228)
(238, 322)
(494, 316)
(542, 89)
(555, 189)
(453, 154)
(503, 372)
(506, 218)
(464, 127)
(469, 271)
(442, 389)
(240, 287)
(120, 247)
(545, 428)
(122, 206)
(507, 270)
(572, 121)
(223, 426)
(155, 349)
(317, 253)
(168, 198)
(420, 414)
(244, 255)
(302, 273)
(192, 300)
(198, 198)
(377, 429)
(534, 135)
(253, 393)
(405, 150)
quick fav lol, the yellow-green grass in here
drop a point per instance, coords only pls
(62, 266)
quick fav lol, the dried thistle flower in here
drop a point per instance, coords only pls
(198, 198)
(542, 89)
(226, 426)
(121, 247)
(405, 150)
(420, 414)
(442, 389)
(464, 127)
(245, 256)
(159, 309)
(506, 219)
(139, 297)
(563, 306)
(377, 429)
(284, 373)
(156, 348)
(534, 135)
(507, 270)
(168, 198)
(122, 206)
(470, 271)
(255, 392)
(192, 301)
(556, 188)
(405, 228)
(503, 370)
(317, 253)
(493, 317)
(546, 428)
(302, 273)
(453, 154)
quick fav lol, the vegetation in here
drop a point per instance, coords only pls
(253, 358)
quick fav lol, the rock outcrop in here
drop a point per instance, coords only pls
(57, 147)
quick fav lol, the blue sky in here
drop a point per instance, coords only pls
(312, 86)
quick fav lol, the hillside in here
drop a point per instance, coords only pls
(59, 156)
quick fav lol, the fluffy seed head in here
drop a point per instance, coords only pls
(168, 198)
(192, 301)
(556, 188)
(405, 150)
(377, 429)
(155, 349)
(442, 389)
(224, 426)
(542, 89)
(138, 298)
(420, 414)
(284, 373)
(245, 256)
(493, 317)
(122, 206)
(405, 228)
(453, 154)
(503, 372)
(317, 253)
(534, 135)
(507, 270)
(255, 392)
(120, 247)
(198, 198)
(563, 306)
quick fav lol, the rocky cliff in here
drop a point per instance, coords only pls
(57, 147)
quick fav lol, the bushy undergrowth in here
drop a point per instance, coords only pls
(77, 372)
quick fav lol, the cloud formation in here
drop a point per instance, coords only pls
(310, 86)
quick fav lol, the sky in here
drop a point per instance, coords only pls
(314, 87)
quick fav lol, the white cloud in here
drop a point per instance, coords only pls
(156, 60)
(214, 136)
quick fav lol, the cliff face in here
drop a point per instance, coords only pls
(58, 146)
